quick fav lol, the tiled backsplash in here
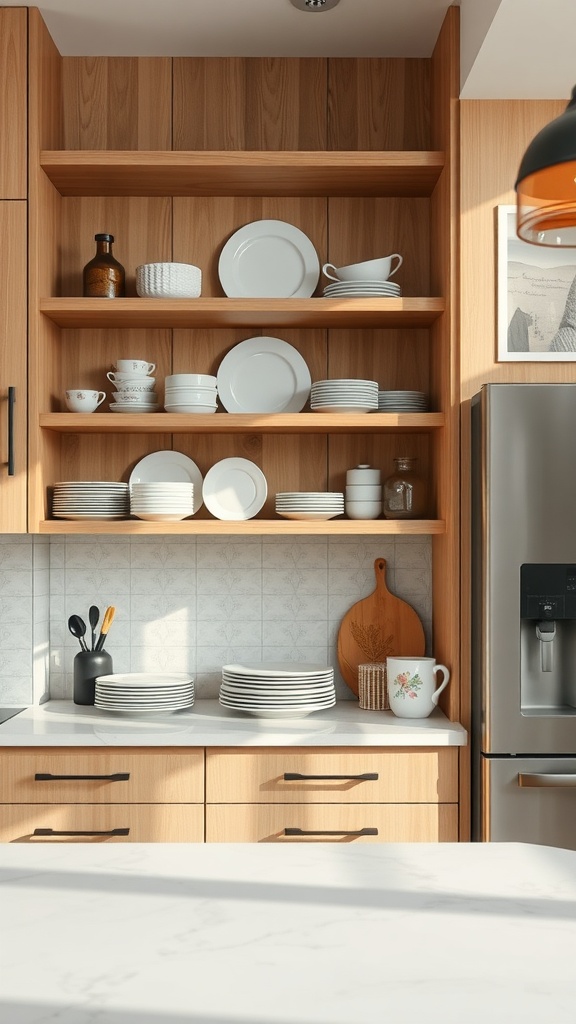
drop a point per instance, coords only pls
(190, 604)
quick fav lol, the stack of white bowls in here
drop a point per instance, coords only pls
(348, 395)
(310, 505)
(134, 386)
(190, 392)
(363, 493)
(162, 502)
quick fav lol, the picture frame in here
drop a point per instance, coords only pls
(536, 297)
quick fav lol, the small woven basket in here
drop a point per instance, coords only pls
(168, 280)
(372, 693)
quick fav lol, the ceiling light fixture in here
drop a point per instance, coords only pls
(314, 5)
(546, 184)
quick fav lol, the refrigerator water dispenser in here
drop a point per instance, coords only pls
(548, 639)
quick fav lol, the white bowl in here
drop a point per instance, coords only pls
(363, 509)
(198, 409)
(363, 492)
(194, 380)
(168, 280)
(363, 474)
(205, 395)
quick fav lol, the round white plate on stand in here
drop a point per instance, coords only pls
(234, 489)
(268, 259)
(170, 467)
(263, 375)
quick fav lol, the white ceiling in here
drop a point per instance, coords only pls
(511, 49)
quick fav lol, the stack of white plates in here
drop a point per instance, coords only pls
(162, 502)
(277, 689)
(362, 289)
(402, 401)
(90, 499)
(344, 396)
(144, 692)
(310, 504)
(190, 392)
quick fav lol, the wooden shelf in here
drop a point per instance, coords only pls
(284, 173)
(217, 312)
(253, 527)
(240, 423)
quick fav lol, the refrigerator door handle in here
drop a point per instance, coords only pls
(546, 780)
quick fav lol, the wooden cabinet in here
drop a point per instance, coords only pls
(81, 795)
(302, 795)
(13, 103)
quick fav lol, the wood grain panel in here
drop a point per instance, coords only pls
(396, 823)
(117, 102)
(247, 103)
(378, 103)
(396, 359)
(203, 226)
(141, 229)
(155, 776)
(13, 103)
(366, 229)
(403, 776)
(104, 456)
(13, 362)
(159, 823)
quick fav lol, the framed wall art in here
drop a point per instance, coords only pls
(536, 297)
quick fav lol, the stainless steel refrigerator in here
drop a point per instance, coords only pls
(524, 614)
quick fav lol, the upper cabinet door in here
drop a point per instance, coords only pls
(13, 458)
(13, 102)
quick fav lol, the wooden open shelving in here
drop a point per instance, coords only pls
(285, 173)
(240, 423)
(251, 527)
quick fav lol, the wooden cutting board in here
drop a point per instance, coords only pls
(376, 628)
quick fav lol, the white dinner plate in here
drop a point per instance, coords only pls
(145, 679)
(268, 259)
(234, 489)
(171, 467)
(304, 516)
(263, 375)
(288, 669)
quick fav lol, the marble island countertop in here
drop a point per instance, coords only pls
(63, 723)
(306, 934)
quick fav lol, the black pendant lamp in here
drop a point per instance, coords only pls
(546, 184)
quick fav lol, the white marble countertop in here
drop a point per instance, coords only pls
(306, 934)
(63, 723)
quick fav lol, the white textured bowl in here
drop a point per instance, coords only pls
(168, 280)
(141, 386)
(363, 509)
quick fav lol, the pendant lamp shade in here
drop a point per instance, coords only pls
(546, 184)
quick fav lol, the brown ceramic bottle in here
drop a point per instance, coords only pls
(103, 277)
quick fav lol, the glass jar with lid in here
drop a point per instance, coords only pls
(404, 493)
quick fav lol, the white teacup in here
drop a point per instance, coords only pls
(124, 377)
(79, 400)
(139, 367)
(411, 686)
(370, 270)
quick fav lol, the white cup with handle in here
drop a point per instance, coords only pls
(411, 682)
(81, 400)
(369, 270)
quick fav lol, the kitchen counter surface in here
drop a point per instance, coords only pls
(62, 723)
(306, 934)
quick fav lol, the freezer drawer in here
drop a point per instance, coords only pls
(530, 800)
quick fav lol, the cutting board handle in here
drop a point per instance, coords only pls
(380, 573)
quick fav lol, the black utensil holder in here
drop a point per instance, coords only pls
(87, 666)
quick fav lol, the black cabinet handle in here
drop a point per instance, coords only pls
(11, 400)
(47, 777)
(337, 832)
(53, 832)
(297, 777)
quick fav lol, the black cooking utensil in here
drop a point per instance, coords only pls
(93, 616)
(77, 627)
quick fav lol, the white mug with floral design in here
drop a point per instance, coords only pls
(412, 691)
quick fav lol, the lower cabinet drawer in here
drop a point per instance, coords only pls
(301, 775)
(367, 823)
(114, 823)
(89, 776)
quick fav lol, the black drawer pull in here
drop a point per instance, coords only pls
(52, 832)
(297, 777)
(11, 400)
(337, 832)
(47, 777)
